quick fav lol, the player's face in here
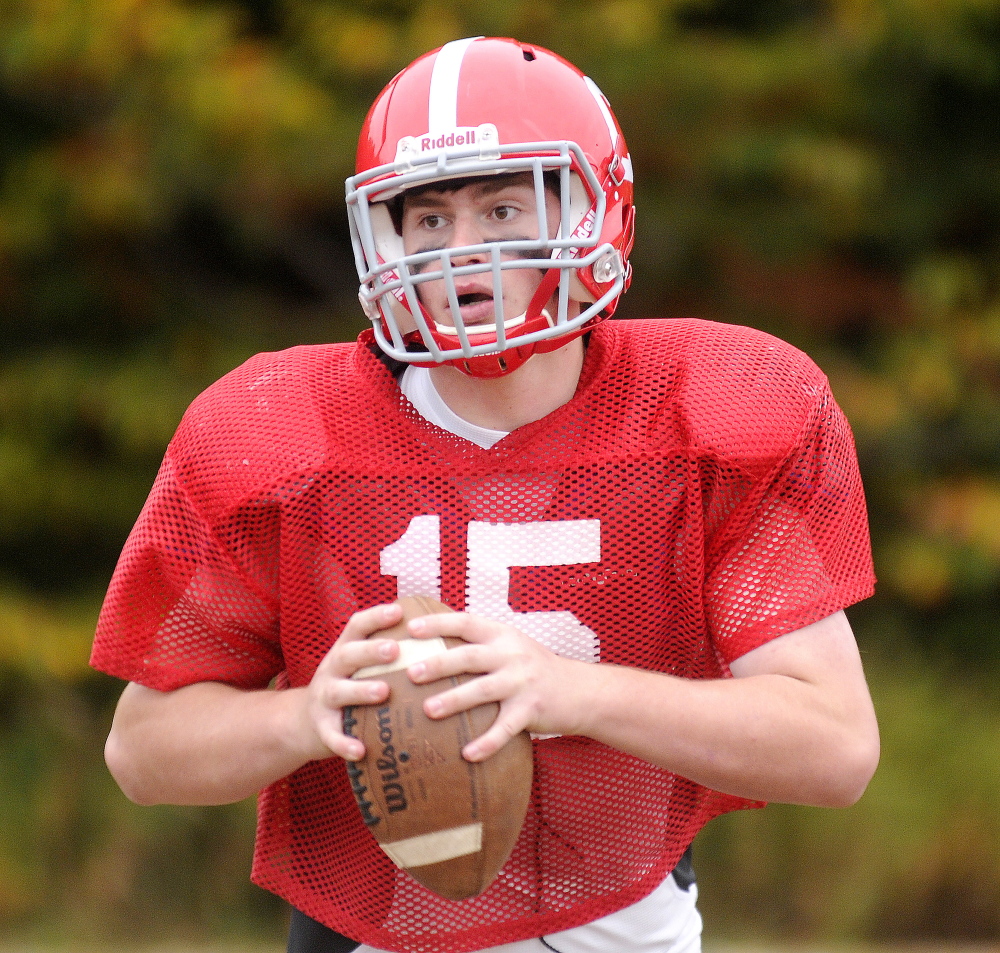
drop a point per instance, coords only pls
(497, 208)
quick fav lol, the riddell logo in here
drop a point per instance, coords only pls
(455, 138)
(586, 227)
(482, 140)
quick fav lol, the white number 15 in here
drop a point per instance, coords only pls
(492, 549)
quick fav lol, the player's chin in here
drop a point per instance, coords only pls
(472, 325)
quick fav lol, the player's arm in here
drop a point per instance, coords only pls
(210, 743)
(795, 724)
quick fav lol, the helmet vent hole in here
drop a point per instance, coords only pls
(529, 55)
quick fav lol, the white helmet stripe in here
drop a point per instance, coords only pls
(609, 121)
(442, 113)
(605, 111)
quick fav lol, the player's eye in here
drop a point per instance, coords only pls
(432, 221)
(504, 213)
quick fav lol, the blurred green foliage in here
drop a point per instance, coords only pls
(171, 176)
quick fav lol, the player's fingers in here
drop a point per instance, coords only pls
(332, 735)
(367, 622)
(496, 687)
(355, 649)
(352, 656)
(508, 724)
(458, 625)
(345, 658)
(342, 692)
(468, 659)
(329, 712)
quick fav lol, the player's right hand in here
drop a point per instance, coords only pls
(332, 688)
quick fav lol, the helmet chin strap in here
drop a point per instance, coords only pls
(504, 362)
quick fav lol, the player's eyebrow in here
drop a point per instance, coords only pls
(486, 185)
(498, 183)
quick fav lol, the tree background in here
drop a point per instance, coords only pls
(171, 202)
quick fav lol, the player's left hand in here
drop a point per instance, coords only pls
(533, 686)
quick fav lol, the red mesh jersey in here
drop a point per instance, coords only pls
(698, 497)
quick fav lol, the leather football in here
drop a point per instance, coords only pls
(449, 823)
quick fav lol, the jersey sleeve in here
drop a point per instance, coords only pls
(180, 607)
(791, 544)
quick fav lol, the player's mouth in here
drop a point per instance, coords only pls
(478, 315)
(476, 308)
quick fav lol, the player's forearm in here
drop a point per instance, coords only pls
(769, 737)
(204, 744)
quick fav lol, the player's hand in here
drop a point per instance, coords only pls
(332, 689)
(534, 687)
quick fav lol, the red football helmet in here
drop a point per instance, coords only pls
(485, 106)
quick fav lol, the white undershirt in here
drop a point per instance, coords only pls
(666, 921)
(419, 390)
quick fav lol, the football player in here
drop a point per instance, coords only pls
(650, 530)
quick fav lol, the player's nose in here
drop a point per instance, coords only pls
(467, 231)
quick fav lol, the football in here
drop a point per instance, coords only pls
(449, 823)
